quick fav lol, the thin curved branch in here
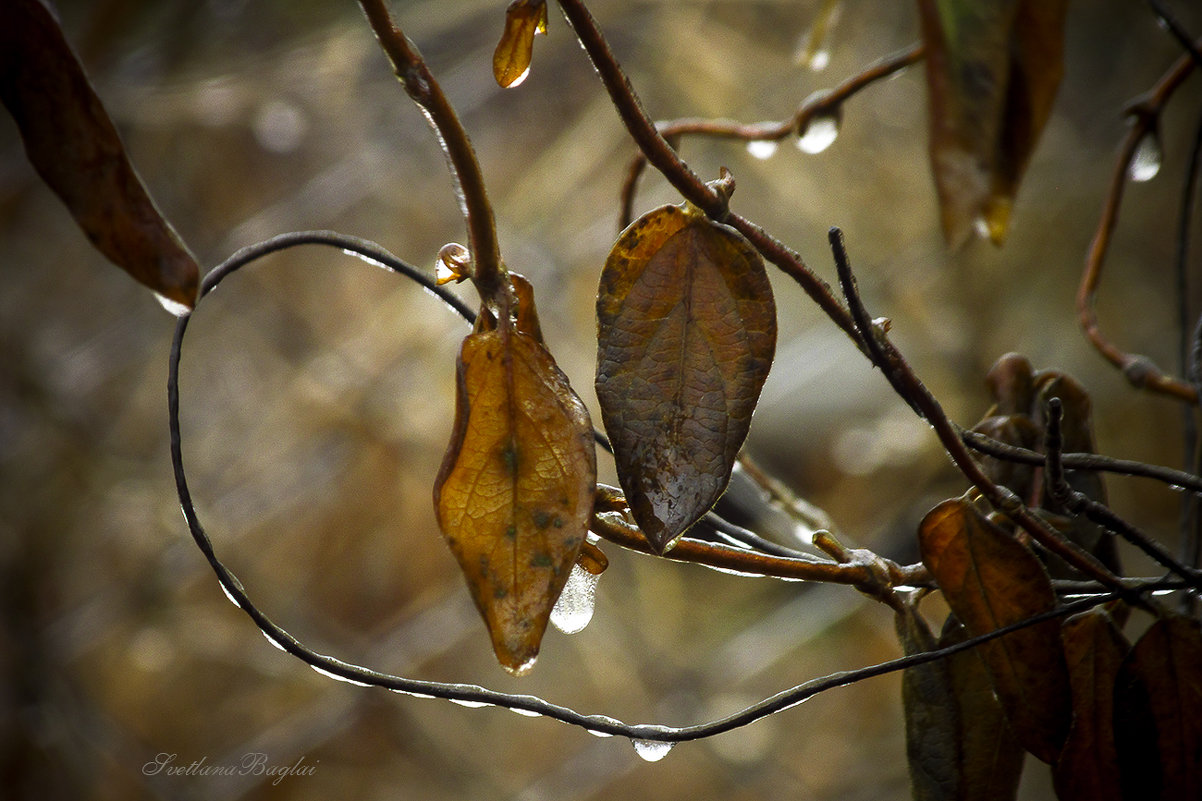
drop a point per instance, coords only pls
(819, 104)
(1140, 371)
(1082, 461)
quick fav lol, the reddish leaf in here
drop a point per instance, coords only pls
(991, 581)
(686, 334)
(1163, 671)
(74, 146)
(524, 19)
(1088, 768)
(992, 74)
(515, 492)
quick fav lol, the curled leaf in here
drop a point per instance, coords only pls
(990, 580)
(75, 148)
(515, 492)
(686, 335)
(524, 19)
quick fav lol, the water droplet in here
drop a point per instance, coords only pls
(173, 306)
(336, 677)
(411, 693)
(518, 80)
(1145, 164)
(574, 609)
(522, 669)
(602, 719)
(762, 148)
(274, 641)
(229, 595)
(819, 134)
(818, 60)
(470, 704)
(652, 750)
(527, 713)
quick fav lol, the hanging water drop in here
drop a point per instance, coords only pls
(470, 704)
(274, 641)
(761, 148)
(527, 713)
(652, 750)
(229, 595)
(1145, 163)
(819, 134)
(574, 609)
(173, 306)
(336, 677)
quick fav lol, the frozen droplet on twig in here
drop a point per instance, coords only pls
(819, 134)
(574, 609)
(652, 750)
(762, 148)
(1145, 163)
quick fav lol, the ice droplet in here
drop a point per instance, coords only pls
(652, 750)
(819, 134)
(336, 677)
(1145, 164)
(762, 148)
(574, 609)
(274, 641)
(173, 306)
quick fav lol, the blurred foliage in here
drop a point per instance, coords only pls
(319, 395)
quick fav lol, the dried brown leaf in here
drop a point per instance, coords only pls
(524, 19)
(1159, 728)
(990, 580)
(686, 335)
(74, 146)
(993, 70)
(515, 492)
(1088, 768)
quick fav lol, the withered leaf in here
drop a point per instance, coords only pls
(990, 580)
(993, 70)
(991, 760)
(933, 737)
(75, 148)
(1160, 746)
(515, 492)
(1088, 768)
(686, 335)
(524, 19)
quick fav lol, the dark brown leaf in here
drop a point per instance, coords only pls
(992, 74)
(1160, 748)
(524, 19)
(515, 492)
(74, 146)
(933, 736)
(991, 760)
(1088, 768)
(990, 580)
(686, 334)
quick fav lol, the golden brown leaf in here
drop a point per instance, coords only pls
(686, 335)
(524, 19)
(74, 146)
(515, 492)
(990, 580)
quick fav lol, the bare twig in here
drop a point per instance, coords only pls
(1139, 370)
(1077, 503)
(415, 77)
(819, 104)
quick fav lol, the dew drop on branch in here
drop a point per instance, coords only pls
(1145, 163)
(819, 134)
(470, 704)
(762, 148)
(652, 750)
(574, 609)
(336, 677)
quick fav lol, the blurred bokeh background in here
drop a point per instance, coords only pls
(317, 395)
